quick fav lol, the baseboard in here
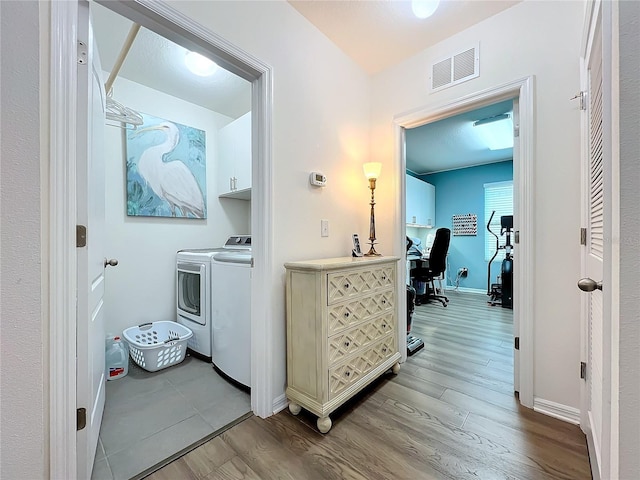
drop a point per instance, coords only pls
(557, 410)
(594, 460)
(465, 290)
(280, 403)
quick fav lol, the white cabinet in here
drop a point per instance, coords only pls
(421, 203)
(342, 330)
(234, 159)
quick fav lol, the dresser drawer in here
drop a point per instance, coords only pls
(344, 344)
(346, 314)
(342, 376)
(348, 284)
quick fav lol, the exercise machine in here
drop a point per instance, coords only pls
(501, 293)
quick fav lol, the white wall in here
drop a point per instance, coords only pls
(531, 38)
(320, 122)
(629, 422)
(142, 287)
(23, 267)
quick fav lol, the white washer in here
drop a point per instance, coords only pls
(193, 291)
(231, 314)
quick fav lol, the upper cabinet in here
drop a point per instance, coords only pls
(234, 159)
(421, 203)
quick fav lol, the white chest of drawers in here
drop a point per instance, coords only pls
(342, 330)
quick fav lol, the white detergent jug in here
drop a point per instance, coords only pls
(116, 359)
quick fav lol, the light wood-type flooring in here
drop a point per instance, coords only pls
(449, 414)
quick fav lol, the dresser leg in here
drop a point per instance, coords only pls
(396, 368)
(294, 408)
(324, 424)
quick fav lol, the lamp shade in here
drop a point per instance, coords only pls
(372, 169)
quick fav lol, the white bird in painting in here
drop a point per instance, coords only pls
(171, 181)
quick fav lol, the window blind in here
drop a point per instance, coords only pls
(498, 196)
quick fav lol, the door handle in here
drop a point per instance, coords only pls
(110, 263)
(589, 285)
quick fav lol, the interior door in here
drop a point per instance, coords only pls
(90, 347)
(593, 207)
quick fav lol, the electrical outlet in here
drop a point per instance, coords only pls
(324, 228)
(463, 271)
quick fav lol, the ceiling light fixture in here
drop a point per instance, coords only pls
(496, 132)
(199, 64)
(424, 8)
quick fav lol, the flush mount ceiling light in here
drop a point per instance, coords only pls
(199, 64)
(424, 8)
(496, 132)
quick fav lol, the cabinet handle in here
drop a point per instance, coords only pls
(231, 184)
(384, 302)
(384, 278)
(235, 183)
(384, 325)
(346, 344)
(384, 350)
(346, 285)
(347, 374)
(346, 314)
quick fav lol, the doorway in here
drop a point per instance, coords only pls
(169, 23)
(521, 93)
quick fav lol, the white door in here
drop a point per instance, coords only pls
(593, 200)
(517, 165)
(90, 348)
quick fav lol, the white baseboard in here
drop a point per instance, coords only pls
(557, 410)
(280, 403)
(465, 290)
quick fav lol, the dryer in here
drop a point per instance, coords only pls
(193, 291)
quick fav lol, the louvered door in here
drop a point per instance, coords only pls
(595, 210)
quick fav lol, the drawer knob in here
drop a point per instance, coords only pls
(384, 350)
(346, 285)
(384, 277)
(347, 374)
(346, 344)
(384, 302)
(384, 325)
(346, 314)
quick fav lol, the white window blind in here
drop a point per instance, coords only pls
(498, 196)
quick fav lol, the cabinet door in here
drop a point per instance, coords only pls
(226, 153)
(420, 202)
(242, 133)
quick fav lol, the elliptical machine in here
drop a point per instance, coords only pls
(501, 293)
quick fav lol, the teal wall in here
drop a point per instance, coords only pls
(460, 192)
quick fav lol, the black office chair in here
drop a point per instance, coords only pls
(437, 265)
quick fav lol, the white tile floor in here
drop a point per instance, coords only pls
(150, 416)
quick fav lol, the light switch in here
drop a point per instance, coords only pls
(324, 228)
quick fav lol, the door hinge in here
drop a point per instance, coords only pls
(516, 131)
(516, 236)
(583, 236)
(81, 236)
(517, 343)
(583, 370)
(81, 418)
(583, 99)
(82, 53)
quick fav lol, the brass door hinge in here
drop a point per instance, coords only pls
(81, 236)
(81, 418)
(583, 236)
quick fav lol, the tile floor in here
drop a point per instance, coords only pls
(150, 416)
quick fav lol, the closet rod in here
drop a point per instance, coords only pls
(133, 31)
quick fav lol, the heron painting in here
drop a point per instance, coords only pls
(166, 170)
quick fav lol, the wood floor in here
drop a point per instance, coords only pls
(449, 414)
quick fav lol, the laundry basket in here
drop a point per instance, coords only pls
(157, 345)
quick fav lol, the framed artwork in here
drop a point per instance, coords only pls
(166, 170)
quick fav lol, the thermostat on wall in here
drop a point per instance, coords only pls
(317, 179)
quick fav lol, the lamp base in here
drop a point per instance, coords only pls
(372, 252)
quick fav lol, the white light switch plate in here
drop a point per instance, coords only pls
(324, 228)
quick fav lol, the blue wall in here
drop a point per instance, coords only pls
(459, 192)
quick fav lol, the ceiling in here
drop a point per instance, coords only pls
(454, 142)
(158, 63)
(377, 34)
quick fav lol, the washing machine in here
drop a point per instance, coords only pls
(193, 291)
(231, 314)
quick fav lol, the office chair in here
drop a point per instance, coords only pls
(437, 265)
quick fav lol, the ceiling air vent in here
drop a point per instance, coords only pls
(456, 69)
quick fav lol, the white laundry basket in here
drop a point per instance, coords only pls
(157, 345)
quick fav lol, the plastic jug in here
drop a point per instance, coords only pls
(117, 359)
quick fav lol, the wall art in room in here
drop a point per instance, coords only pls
(166, 170)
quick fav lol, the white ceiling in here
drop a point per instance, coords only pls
(453, 143)
(158, 63)
(377, 34)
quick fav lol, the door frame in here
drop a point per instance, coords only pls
(63, 203)
(524, 207)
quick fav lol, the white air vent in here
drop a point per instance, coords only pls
(456, 69)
